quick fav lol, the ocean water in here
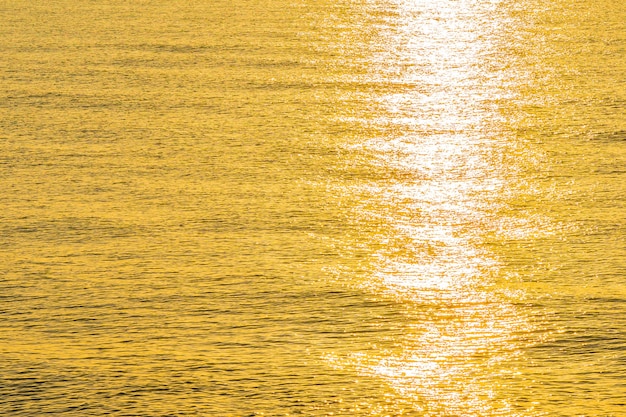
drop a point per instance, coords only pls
(316, 208)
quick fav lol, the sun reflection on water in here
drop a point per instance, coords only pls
(447, 191)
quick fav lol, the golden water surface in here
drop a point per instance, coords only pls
(313, 207)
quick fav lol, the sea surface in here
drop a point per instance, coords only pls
(313, 207)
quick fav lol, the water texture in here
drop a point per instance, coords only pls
(347, 208)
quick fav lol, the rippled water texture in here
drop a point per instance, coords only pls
(372, 208)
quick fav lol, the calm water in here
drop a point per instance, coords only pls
(348, 208)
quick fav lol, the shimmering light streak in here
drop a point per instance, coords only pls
(446, 195)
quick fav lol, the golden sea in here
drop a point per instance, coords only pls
(313, 207)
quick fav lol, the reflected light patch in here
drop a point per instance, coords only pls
(433, 190)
